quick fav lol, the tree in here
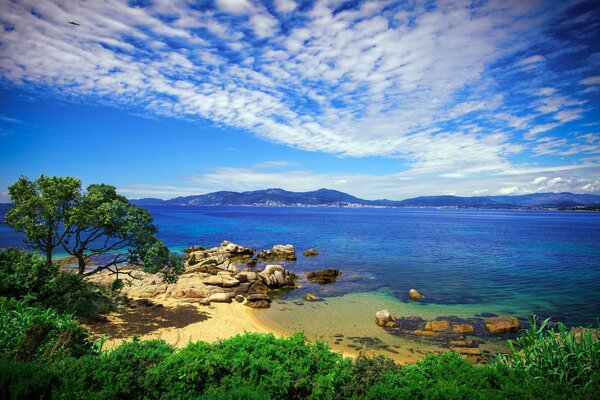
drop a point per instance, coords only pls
(39, 209)
(104, 222)
(96, 223)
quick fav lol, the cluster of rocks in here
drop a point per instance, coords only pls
(278, 252)
(449, 332)
(212, 275)
(324, 276)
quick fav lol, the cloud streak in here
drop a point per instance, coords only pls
(431, 85)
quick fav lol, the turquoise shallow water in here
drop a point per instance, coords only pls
(469, 261)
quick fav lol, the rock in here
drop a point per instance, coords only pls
(221, 280)
(463, 343)
(311, 297)
(258, 296)
(275, 276)
(325, 276)
(414, 294)
(462, 328)
(204, 302)
(391, 324)
(194, 294)
(252, 263)
(338, 335)
(193, 249)
(502, 324)
(437, 326)
(239, 298)
(258, 304)
(311, 253)
(233, 250)
(246, 276)
(220, 298)
(424, 333)
(468, 351)
(383, 317)
(278, 252)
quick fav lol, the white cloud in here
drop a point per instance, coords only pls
(592, 80)
(235, 6)
(285, 6)
(532, 60)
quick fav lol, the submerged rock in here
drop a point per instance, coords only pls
(437, 326)
(502, 324)
(413, 294)
(325, 276)
(311, 253)
(462, 328)
(382, 317)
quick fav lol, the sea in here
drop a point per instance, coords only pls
(465, 262)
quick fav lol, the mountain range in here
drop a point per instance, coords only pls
(334, 198)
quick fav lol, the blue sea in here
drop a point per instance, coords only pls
(502, 261)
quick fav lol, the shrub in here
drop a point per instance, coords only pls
(36, 334)
(26, 380)
(116, 374)
(560, 355)
(286, 368)
(28, 277)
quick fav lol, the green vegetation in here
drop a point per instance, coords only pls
(559, 355)
(53, 211)
(249, 366)
(26, 276)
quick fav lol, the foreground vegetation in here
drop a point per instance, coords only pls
(44, 354)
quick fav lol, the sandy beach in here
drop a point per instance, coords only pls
(176, 322)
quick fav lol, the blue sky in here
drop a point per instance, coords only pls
(380, 99)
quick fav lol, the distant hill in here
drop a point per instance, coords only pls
(334, 198)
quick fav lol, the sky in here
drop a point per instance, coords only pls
(379, 99)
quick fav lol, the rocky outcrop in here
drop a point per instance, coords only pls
(258, 301)
(414, 294)
(275, 277)
(278, 252)
(325, 276)
(310, 253)
(502, 324)
(383, 317)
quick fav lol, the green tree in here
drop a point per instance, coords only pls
(104, 222)
(52, 212)
(39, 208)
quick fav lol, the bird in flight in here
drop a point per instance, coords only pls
(74, 23)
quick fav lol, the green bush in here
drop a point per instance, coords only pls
(284, 368)
(36, 334)
(26, 380)
(116, 374)
(26, 276)
(559, 355)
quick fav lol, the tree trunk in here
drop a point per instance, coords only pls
(49, 255)
(82, 264)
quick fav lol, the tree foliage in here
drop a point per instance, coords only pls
(39, 209)
(53, 212)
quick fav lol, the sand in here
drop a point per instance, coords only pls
(177, 322)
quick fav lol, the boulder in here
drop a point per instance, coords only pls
(234, 250)
(258, 304)
(246, 276)
(383, 317)
(258, 296)
(221, 280)
(462, 328)
(311, 253)
(423, 333)
(467, 351)
(278, 252)
(193, 249)
(502, 324)
(220, 298)
(325, 276)
(437, 326)
(311, 297)
(413, 294)
(194, 294)
(239, 298)
(275, 276)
